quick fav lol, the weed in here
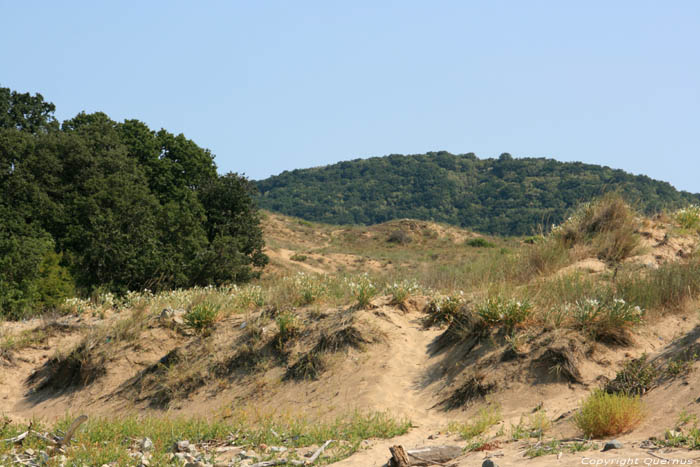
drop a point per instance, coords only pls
(603, 414)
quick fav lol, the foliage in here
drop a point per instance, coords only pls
(485, 418)
(608, 225)
(479, 242)
(603, 414)
(501, 312)
(201, 317)
(602, 317)
(363, 289)
(96, 204)
(402, 291)
(500, 196)
(688, 217)
(635, 378)
(101, 441)
(443, 309)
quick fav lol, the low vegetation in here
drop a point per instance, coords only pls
(102, 441)
(603, 414)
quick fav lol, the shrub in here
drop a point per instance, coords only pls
(603, 414)
(479, 242)
(298, 257)
(250, 297)
(399, 236)
(608, 225)
(500, 312)
(201, 317)
(688, 217)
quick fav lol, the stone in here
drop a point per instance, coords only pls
(277, 448)
(182, 446)
(614, 444)
(489, 463)
(146, 444)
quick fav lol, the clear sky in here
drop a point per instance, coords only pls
(272, 86)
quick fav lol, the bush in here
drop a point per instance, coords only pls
(399, 236)
(603, 414)
(688, 217)
(201, 317)
(298, 257)
(479, 242)
(607, 225)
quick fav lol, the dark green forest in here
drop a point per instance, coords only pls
(91, 204)
(504, 196)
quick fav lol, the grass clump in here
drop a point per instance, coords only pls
(605, 318)
(443, 309)
(603, 414)
(485, 418)
(363, 289)
(402, 291)
(201, 317)
(501, 312)
(298, 257)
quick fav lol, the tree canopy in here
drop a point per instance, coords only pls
(94, 204)
(506, 196)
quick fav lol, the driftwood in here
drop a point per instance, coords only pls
(430, 455)
(277, 462)
(318, 452)
(399, 458)
(56, 441)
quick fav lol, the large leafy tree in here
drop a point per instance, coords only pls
(116, 206)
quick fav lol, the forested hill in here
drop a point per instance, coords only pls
(501, 196)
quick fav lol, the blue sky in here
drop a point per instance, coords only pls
(273, 86)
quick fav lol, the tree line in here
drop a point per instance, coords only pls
(91, 204)
(501, 195)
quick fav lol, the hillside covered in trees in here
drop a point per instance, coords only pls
(96, 205)
(501, 196)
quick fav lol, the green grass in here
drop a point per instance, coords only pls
(485, 418)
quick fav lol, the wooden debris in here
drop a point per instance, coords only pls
(318, 452)
(430, 455)
(399, 458)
